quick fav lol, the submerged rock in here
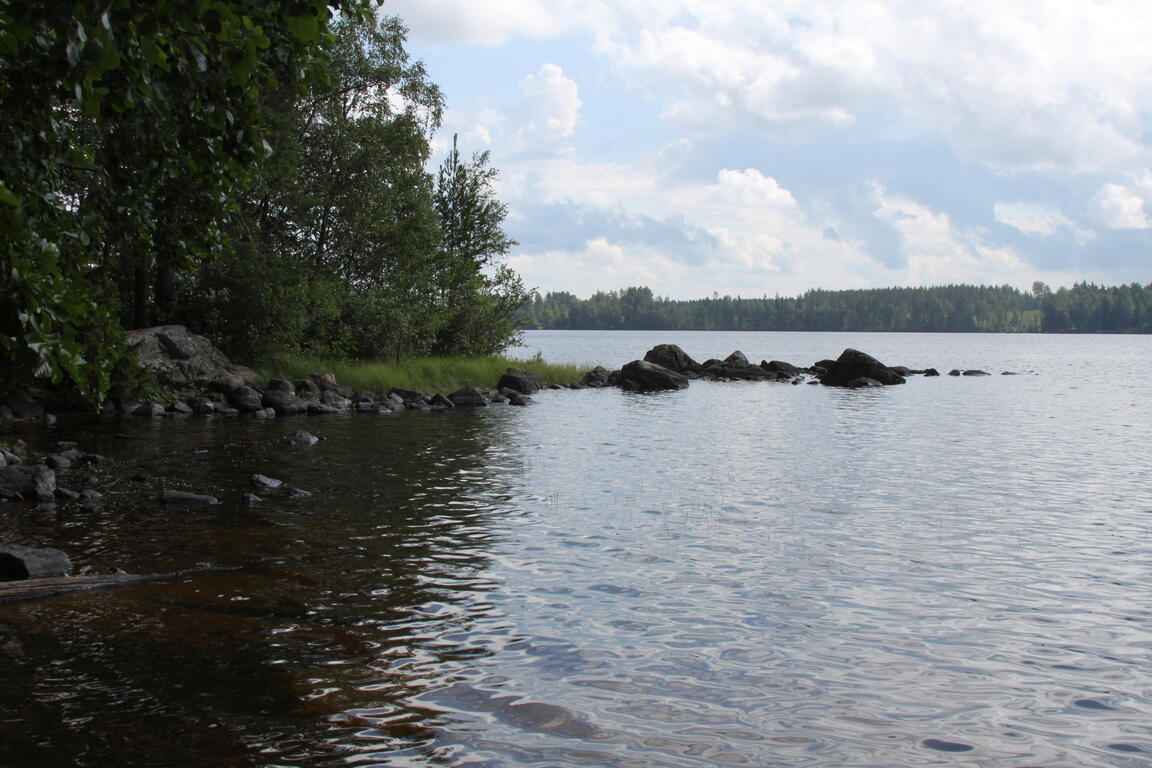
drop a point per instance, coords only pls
(185, 497)
(302, 438)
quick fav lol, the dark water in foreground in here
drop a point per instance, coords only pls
(952, 572)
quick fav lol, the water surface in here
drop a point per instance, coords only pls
(950, 572)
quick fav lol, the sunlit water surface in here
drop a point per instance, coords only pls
(956, 571)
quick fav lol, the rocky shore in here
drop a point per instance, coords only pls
(217, 388)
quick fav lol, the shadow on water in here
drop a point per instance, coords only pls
(339, 602)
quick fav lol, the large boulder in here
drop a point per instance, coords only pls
(644, 376)
(180, 358)
(18, 563)
(854, 364)
(34, 482)
(738, 359)
(671, 357)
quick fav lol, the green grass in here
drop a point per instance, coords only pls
(426, 374)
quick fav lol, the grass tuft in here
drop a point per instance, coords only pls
(426, 374)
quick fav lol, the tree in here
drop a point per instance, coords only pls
(117, 115)
(481, 297)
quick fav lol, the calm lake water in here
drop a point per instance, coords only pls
(957, 571)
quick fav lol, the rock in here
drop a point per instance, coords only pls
(519, 381)
(516, 398)
(64, 494)
(264, 413)
(1009, 373)
(644, 376)
(148, 410)
(598, 376)
(184, 497)
(296, 493)
(901, 370)
(180, 358)
(306, 389)
(302, 438)
(823, 365)
(23, 408)
(863, 382)
(49, 419)
(317, 408)
(780, 367)
(280, 385)
(975, 372)
(202, 405)
(931, 372)
(226, 410)
(335, 400)
(439, 399)
(283, 401)
(34, 482)
(498, 399)
(264, 484)
(954, 372)
(854, 364)
(63, 460)
(371, 407)
(227, 384)
(90, 494)
(671, 357)
(326, 381)
(18, 563)
(246, 399)
(181, 408)
(248, 499)
(10, 459)
(468, 397)
(407, 395)
(737, 358)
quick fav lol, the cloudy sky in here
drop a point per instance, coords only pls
(756, 148)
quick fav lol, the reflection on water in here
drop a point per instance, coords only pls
(735, 574)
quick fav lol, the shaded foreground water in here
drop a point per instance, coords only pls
(951, 572)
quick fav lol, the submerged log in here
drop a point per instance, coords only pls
(34, 589)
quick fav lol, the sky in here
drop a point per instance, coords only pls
(751, 149)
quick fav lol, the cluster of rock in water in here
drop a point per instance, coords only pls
(181, 359)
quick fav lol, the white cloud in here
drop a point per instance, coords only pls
(1039, 220)
(552, 103)
(1121, 208)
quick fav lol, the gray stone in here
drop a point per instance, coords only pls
(519, 381)
(931, 372)
(148, 410)
(302, 438)
(319, 409)
(90, 494)
(264, 413)
(185, 497)
(335, 400)
(518, 399)
(780, 367)
(737, 358)
(296, 493)
(284, 402)
(180, 358)
(280, 385)
(441, 400)
(468, 397)
(264, 484)
(24, 408)
(181, 408)
(246, 399)
(64, 494)
(598, 376)
(248, 499)
(863, 382)
(226, 410)
(975, 372)
(671, 357)
(227, 384)
(34, 482)
(643, 376)
(202, 405)
(18, 563)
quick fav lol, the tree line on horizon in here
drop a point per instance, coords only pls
(1083, 308)
(255, 171)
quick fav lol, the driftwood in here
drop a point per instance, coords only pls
(34, 589)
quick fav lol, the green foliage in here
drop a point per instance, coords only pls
(128, 131)
(425, 374)
(960, 308)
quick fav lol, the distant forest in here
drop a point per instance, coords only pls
(1083, 308)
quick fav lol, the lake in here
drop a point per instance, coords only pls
(956, 571)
